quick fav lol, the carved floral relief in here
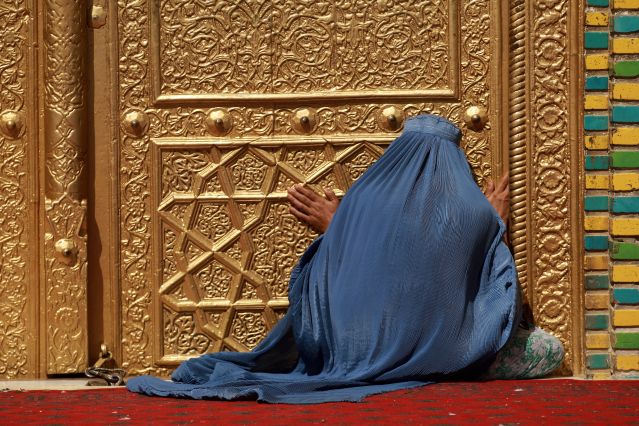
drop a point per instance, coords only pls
(16, 360)
(550, 159)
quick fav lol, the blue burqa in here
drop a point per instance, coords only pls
(410, 284)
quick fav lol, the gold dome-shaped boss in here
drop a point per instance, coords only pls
(304, 120)
(476, 118)
(390, 118)
(136, 123)
(11, 124)
(66, 251)
(219, 122)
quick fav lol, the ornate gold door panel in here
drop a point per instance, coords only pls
(43, 327)
(65, 185)
(225, 104)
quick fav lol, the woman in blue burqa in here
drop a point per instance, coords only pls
(411, 283)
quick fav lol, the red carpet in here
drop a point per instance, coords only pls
(500, 402)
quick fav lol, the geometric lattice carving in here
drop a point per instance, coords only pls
(212, 220)
(248, 291)
(180, 336)
(226, 259)
(213, 281)
(306, 160)
(248, 173)
(283, 182)
(357, 164)
(169, 265)
(248, 328)
(279, 240)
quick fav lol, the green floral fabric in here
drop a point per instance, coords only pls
(530, 353)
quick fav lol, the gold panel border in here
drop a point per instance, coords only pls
(544, 164)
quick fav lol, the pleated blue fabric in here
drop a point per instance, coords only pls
(410, 284)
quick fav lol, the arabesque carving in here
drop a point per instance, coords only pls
(551, 192)
(476, 55)
(17, 351)
(285, 46)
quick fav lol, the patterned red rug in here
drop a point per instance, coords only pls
(499, 402)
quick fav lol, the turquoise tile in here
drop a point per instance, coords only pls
(596, 242)
(596, 122)
(625, 205)
(626, 24)
(596, 40)
(597, 162)
(598, 3)
(597, 282)
(597, 361)
(627, 296)
(625, 114)
(597, 82)
(596, 203)
(596, 321)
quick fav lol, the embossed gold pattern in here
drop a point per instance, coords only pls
(293, 47)
(65, 184)
(551, 193)
(17, 349)
(11, 124)
(517, 134)
(219, 122)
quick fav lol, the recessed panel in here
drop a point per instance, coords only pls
(296, 50)
(227, 251)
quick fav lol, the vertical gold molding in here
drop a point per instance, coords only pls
(103, 294)
(132, 32)
(65, 136)
(575, 112)
(18, 253)
(518, 138)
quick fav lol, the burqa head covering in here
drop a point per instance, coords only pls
(410, 283)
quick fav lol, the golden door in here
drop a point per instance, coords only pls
(172, 129)
(225, 104)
